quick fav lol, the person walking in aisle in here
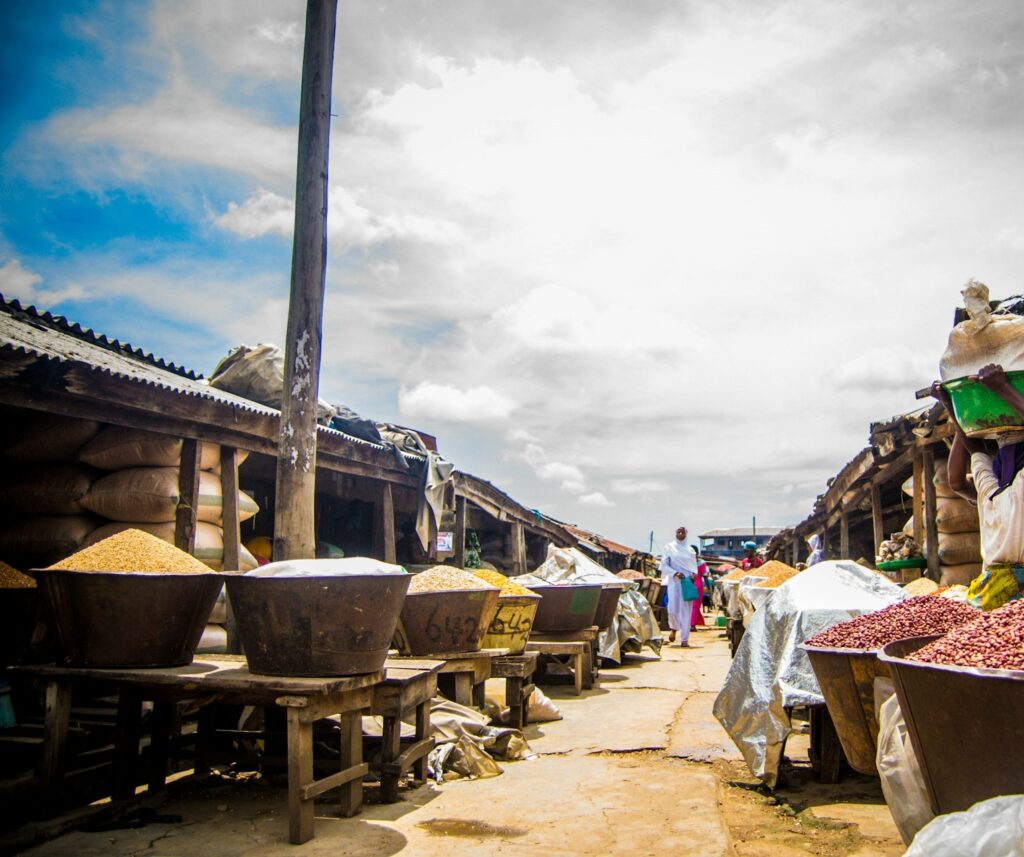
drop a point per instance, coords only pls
(678, 568)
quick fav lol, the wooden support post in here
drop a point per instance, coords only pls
(160, 724)
(844, 533)
(294, 536)
(232, 534)
(518, 549)
(826, 544)
(390, 750)
(300, 773)
(188, 496)
(794, 551)
(460, 531)
(419, 767)
(351, 798)
(384, 524)
(126, 743)
(931, 529)
(918, 500)
(55, 735)
(876, 515)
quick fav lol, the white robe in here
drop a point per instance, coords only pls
(678, 558)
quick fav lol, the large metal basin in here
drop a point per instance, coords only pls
(445, 622)
(316, 626)
(847, 681)
(964, 725)
(608, 604)
(566, 608)
(116, 619)
(510, 628)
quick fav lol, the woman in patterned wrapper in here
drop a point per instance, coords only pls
(678, 560)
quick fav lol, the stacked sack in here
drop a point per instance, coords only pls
(43, 488)
(139, 490)
(959, 533)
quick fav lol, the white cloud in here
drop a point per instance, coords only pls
(639, 486)
(21, 283)
(888, 367)
(595, 499)
(428, 400)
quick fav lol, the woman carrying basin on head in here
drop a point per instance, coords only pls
(678, 568)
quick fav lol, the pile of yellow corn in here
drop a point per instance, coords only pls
(496, 578)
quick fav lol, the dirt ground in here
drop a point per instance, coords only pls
(638, 765)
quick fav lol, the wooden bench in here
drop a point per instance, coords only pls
(225, 679)
(463, 674)
(517, 670)
(585, 669)
(408, 687)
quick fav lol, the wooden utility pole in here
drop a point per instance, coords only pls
(294, 536)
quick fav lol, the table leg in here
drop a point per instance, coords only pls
(480, 695)
(463, 688)
(588, 669)
(159, 743)
(300, 774)
(126, 744)
(206, 730)
(419, 767)
(577, 673)
(513, 699)
(55, 735)
(351, 756)
(390, 749)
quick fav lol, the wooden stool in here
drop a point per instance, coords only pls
(585, 635)
(578, 652)
(406, 688)
(517, 670)
(463, 674)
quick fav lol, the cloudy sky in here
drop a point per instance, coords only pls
(635, 262)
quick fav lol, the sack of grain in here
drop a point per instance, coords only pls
(940, 481)
(45, 437)
(960, 575)
(37, 542)
(956, 515)
(209, 541)
(46, 489)
(983, 338)
(959, 548)
(116, 448)
(908, 527)
(151, 494)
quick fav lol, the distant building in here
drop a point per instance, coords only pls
(729, 542)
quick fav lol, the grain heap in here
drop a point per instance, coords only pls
(496, 578)
(921, 586)
(441, 578)
(740, 573)
(11, 578)
(132, 550)
(915, 617)
(776, 573)
(994, 640)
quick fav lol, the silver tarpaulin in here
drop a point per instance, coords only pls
(634, 626)
(771, 672)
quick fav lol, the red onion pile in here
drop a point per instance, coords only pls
(915, 617)
(994, 640)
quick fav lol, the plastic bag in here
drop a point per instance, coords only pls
(983, 338)
(991, 828)
(902, 781)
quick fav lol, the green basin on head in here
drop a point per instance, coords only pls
(980, 412)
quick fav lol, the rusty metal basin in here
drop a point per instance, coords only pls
(115, 619)
(566, 608)
(445, 622)
(964, 725)
(847, 681)
(510, 628)
(332, 625)
(608, 604)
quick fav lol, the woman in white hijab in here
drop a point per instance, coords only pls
(678, 561)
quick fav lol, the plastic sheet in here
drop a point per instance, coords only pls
(771, 672)
(901, 778)
(750, 598)
(991, 828)
(634, 627)
(468, 745)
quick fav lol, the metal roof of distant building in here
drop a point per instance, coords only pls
(740, 531)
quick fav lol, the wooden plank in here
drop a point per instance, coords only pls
(844, 534)
(931, 534)
(422, 734)
(294, 536)
(460, 531)
(918, 500)
(229, 491)
(518, 549)
(391, 748)
(300, 775)
(55, 733)
(384, 524)
(188, 496)
(333, 781)
(351, 756)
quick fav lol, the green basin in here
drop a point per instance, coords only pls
(980, 412)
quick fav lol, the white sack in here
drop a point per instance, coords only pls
(991, 828)
(899, 772)
(984, 338)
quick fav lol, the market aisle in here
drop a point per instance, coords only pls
(603, 782)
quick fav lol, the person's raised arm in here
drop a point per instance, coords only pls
(994, 377)
(959, 464)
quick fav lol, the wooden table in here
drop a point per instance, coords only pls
(567, 644)
(517, 670)
(409, 685)
(228, 680)
(462, 675)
